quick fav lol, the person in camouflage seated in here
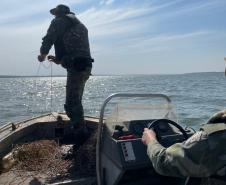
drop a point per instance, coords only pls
(202, 155)
(70, 39)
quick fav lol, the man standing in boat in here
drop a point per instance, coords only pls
(70, 39)
(202, 155)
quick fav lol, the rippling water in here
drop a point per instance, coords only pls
(196, 96)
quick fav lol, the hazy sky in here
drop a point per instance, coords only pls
(126, 36)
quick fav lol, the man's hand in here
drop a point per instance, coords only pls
(52, 58)
(148, 136)
(41, 57)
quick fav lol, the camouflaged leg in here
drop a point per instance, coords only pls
(74, 90)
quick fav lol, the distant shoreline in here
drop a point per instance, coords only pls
(21, 76)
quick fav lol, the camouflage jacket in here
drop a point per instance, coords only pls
(76, 39)
(202, 155)
(54, 36)
(69, 37)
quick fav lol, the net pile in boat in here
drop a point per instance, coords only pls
(41, 157)
(85, 157)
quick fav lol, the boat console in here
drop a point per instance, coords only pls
(121, 156)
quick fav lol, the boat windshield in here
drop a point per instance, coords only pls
(123, 110)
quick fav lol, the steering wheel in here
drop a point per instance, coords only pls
(153, 125)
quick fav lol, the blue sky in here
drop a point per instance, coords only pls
(126, 36)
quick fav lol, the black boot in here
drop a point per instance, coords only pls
(81, 134)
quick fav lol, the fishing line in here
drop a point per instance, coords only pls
(46, 66)
(51, 86)
(39, 66)
(51, 90)
(35, 86)
(35, 92)
(50, 67)
(32, 95)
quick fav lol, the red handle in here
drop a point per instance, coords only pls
(131, 136)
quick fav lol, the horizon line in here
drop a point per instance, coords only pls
(58, 75)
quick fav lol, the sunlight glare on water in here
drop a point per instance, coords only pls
(196, 96)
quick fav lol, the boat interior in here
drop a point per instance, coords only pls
(113, 154)
(121, 156)
(53, 127)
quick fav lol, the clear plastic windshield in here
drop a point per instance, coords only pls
(124, 110)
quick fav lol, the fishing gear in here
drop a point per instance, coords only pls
(35, 85)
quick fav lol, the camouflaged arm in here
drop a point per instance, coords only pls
(181, 159)
(49, 39)
(160, 162)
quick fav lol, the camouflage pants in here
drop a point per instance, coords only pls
(74, 91)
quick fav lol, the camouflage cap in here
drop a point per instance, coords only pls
(61, 10)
